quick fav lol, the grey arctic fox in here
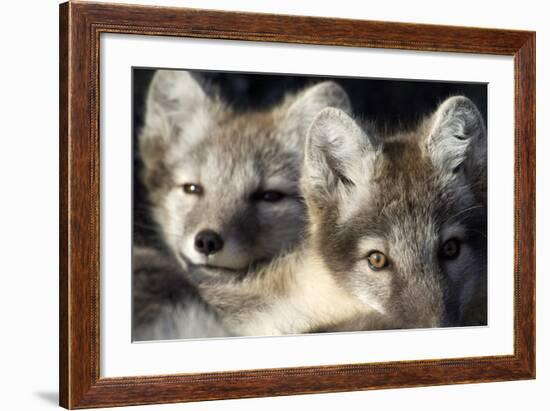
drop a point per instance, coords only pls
(397, 235)
(223, 185)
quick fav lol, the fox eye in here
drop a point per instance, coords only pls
(192, 188)
(270, 196)
(377, 260)
(450, 249)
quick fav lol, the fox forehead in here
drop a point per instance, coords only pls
(236, 159)
(416, 206)
(406, 182)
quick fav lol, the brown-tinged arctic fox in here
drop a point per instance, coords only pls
(397, 233)
(223, 184)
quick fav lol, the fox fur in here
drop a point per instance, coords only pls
(409, 196)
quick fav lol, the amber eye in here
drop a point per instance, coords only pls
(450, 249)
(192, 188)
(270, 196)
(377, 260)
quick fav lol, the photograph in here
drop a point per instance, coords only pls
(282, 204)
(268, 204)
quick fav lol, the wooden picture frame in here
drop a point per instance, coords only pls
(80, 27)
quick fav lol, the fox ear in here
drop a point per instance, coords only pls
(307, 104)
(457, 138)
(337, 157)
(175, 103)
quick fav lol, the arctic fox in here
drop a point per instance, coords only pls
(397, 232)
(224, 185)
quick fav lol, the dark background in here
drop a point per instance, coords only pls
(392, 104)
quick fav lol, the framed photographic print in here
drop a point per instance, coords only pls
(258, 205)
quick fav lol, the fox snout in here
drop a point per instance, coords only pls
(208, 242)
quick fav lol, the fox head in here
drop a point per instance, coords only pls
(224, 185)
(400, 220)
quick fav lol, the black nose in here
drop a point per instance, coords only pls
(208, 242)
